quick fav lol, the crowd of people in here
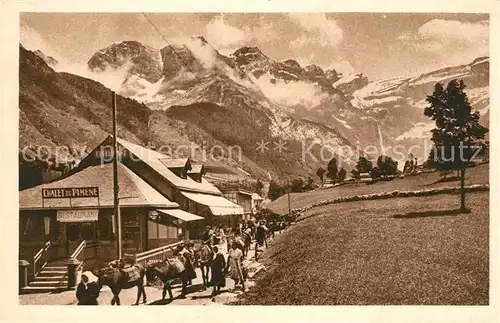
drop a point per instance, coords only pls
(238, 243)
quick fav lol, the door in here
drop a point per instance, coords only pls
(72, 237)
(77, 232)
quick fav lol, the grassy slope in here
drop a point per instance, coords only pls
(357, 253)
(243, 126)
(475, 175)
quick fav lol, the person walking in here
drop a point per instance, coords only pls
(207, 235)
(235, 265)
(188, 254)
(260, 237)
(88, 290)
(218, 266)
(222, 235)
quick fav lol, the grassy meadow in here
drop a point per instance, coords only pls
(411, 251)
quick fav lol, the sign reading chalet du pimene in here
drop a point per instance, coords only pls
(77, 192)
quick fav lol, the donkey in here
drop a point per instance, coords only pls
(118, 278)
(166, 271)
(204, 256)
(244, 242)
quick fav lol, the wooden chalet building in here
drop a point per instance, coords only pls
(161, 201)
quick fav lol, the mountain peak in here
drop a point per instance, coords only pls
(201, 38)
(144, 60)
(51, 61)
(292, 63)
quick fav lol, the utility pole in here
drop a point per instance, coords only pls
(115, 182)
(289, 206)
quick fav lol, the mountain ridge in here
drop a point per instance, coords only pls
(59, 109)
(271, 100)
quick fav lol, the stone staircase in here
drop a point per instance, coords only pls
(52, 278)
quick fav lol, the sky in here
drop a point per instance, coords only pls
(378, 45)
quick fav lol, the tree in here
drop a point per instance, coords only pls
(375, 173)
(275, 191)
(457, 130)
(342, 174)
(355, 173)
(332, 169)
(310, 184)
(364, 165)
(320, 172)
(387, 166)
(298, 185)
(258, 187)
(406, 168)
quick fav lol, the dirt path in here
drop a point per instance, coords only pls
(196, 294)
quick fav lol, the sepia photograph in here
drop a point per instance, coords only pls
(254, 158)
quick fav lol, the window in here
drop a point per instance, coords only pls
(32, 228)
(105, 227)
(73, 232)
(88, 231)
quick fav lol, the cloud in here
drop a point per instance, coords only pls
(452, 41)
(341, 66)
(222, 35)
(455, 30)
(290, 93)
(205, 53)
(228, 38)
(316, 29)
(111, 77)
(33, 41)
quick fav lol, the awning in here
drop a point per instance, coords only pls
(218, 205)
(181, 214)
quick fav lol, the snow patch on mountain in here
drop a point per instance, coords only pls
(362, 103)
(311, 134)
(345, 79)
(421, 130)
(478, 95)
(142, 90)
(437, 78)
(343, 122)
(420, 104)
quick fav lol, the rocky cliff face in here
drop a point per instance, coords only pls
(281, 100)
(140, 60)
(51, 61)
(217, 111)
(253, 61)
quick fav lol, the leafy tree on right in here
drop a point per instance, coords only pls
(364, 165)
(457, 130)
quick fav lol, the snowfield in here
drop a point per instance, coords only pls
(343, 122)
(421, 130)
(438, 78)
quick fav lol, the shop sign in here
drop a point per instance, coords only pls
(77, 215)
(77, 192)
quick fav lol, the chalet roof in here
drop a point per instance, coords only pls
(256, 196)
(174, 162)
(181, 214)
(134, 192)
(154, 160)
(195, 169)
(218, 205)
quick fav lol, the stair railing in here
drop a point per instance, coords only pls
(41, 258)
(158, 254)
(79, 253)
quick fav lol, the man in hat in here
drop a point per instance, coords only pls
(207, 235)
